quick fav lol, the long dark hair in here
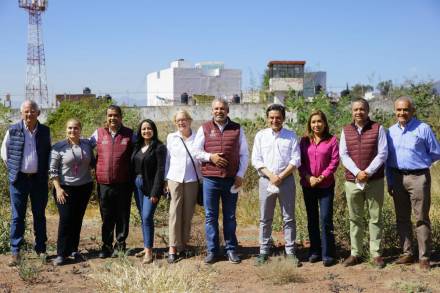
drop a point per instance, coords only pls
(309, 132)
(140, 140)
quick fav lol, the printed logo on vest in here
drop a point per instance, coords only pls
(212, 134)
(105, 142)
(124, 141)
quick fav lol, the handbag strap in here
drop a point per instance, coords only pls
(192, 161)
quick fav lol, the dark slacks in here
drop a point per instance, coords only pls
(71, 217)
(413, 192)
(319, 206)
(114, 205)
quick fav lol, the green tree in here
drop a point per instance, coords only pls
(359, 90)
(384, 87)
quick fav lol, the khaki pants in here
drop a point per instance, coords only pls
(372, 194)
(413, 191)
(182, 205)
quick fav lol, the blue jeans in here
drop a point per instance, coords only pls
(324, 216)
(213, 189)
(146, 210)
(37, 190)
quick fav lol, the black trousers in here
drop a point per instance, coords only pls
(71, 217)
(114, 204)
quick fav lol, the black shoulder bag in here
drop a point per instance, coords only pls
(200, 184)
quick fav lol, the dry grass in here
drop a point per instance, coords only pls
(408, 286)
(279, 271)
(123, 276)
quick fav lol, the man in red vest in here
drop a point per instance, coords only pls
(221, 146)
(114, 145)
(363, 150)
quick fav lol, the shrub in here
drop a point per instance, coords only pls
(123, 276)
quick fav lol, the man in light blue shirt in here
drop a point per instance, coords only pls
(413, 147)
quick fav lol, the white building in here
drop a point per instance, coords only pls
(166, 86)
(285, 76)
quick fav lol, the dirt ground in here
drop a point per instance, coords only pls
(74, 277)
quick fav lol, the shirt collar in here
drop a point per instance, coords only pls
(409, 124)
(27, 129)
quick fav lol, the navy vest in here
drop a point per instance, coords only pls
(15, 148)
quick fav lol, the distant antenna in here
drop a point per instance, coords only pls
(36, 82)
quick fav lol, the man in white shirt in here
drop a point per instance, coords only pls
(222, 148)
(26, 150)
(363, 150)
(276, 155)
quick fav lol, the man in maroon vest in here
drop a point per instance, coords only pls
(363, 150)
(114, 147)
(221, 146)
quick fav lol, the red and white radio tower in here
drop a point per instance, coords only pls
(36, 82)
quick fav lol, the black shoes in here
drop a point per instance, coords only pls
(59, 261)
(329, 262)
(104, 253)
(233, 257)
(314, 258)
(172, 258)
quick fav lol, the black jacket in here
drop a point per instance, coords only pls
(153, 169)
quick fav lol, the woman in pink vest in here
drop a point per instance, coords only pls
(148, 169)
(319, 161)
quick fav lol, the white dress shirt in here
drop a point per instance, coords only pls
(179, 167)
(203, 156)
(379, 159)
(29, 163)
(275, 151)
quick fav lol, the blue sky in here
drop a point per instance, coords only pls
(110, 46)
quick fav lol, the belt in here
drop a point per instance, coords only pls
(29, 175)
(411, 172)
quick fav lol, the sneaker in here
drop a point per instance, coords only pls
(233, 257)
(314, 258)
(210, 258)
(261, 259)
(351, 261)
(378, 262)
(296, 262)
(424, 264)
(15, 260)
(405, 259)
(59, 261)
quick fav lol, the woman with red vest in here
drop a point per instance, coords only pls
(319, 161)
(148, 170)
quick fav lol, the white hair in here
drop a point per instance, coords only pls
(33, 104)
(220, 100)
(405, 99)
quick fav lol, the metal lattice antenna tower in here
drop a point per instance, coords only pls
(36, 82)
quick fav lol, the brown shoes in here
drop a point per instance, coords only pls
(15, 260)
(424, 264)
(351, 261)
(405, 259)
(378, 262)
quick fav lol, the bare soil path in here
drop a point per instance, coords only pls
(75, 277)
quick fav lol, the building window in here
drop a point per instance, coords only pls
(286, 71)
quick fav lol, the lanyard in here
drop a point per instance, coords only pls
(77, 162)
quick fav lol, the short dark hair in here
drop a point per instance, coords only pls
(363, 101)
(276, 107)
(115, 108)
